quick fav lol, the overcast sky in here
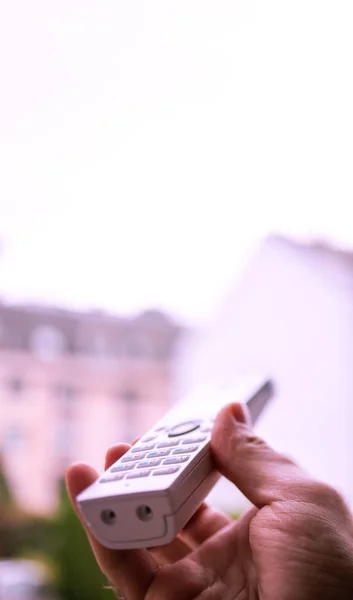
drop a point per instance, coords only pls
(145, 145)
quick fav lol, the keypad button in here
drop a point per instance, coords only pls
(158, 453)
(168, 444)
(166, 471)
(145, 448)
(112, 478)
(118, 468)
(195, 440)
(149, 463)
(137, 474)
(133, 457)
(185, 450)
(173, 460)
(148, 438)
(183, 428)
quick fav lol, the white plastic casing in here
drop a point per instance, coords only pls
(143, 508)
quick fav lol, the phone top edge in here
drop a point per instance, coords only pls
(260, 399)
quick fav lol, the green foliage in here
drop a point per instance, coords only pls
(6, 499)
(59, 542)
(235, 516)
(21, 533)
(78, 576)
(8, 518)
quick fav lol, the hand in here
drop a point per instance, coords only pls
(296, 543)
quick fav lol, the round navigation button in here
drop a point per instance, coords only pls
(183, 428)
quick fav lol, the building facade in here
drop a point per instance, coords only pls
(290, 315)
(71, 385)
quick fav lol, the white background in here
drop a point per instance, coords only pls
(145, 145)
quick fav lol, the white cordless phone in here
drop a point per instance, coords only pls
(149, 494)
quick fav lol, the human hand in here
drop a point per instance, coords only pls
(296, 543)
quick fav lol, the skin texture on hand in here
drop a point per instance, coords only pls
(296, 543)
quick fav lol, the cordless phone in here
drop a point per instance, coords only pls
(150, 493)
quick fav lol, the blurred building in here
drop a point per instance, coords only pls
(71, 384)
(290, 314)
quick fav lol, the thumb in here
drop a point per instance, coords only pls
(259, 472)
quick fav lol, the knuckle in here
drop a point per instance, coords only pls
(327, 496)
(251, 440)
(247, 444)
(183, 579)
(164, 586)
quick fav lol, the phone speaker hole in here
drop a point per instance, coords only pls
(108, 517)
(144, 513)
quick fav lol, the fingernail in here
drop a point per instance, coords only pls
(239, 413)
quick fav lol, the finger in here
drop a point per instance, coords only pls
(171, 553)
(203, 524)
(114, 453)
(185, 580)
(230, 546)
(129, 571)
(262, 474)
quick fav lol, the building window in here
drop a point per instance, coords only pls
(13, 440)
(15, 386)
(129, 396)
(64, 439)
(65, 392)
(47, 342)
(139, 345)
(99, 347)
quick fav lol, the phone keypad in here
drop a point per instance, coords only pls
(185, 450)
(168, 444)
(138, 474)
(158, 453)
(145, 448)
(195, 440)
(133, 457)
(173, 460)
(149, 463)
(166, 471)
(119, 468)
(148, 438)
(111, 478)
